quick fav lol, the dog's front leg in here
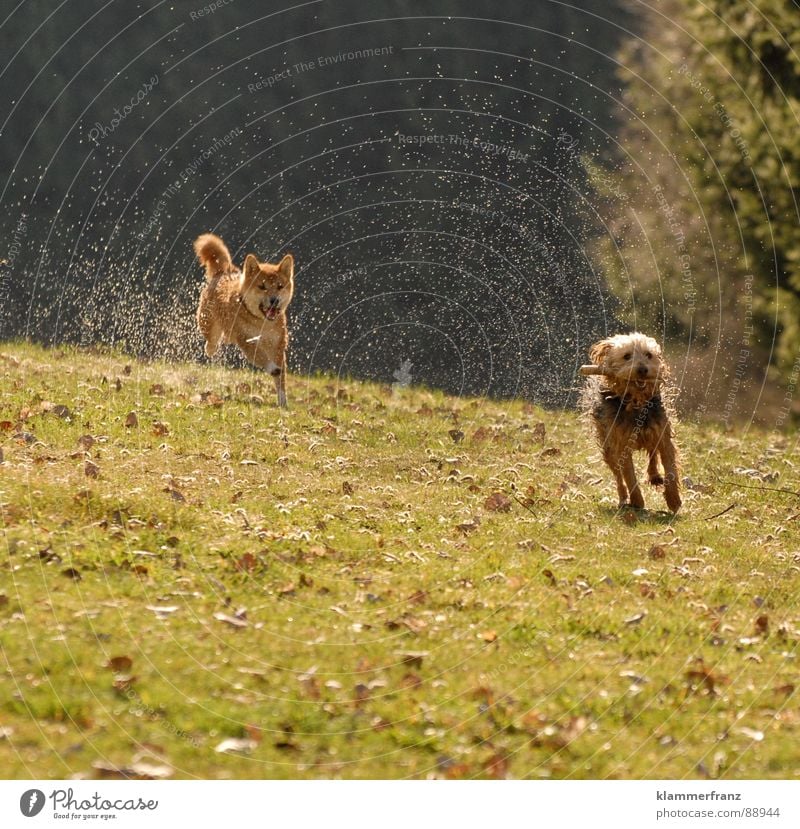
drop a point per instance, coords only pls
(280, 384)
(653, 472)
(669, 457)
(629, 473)
(274, 363)
(615, 465)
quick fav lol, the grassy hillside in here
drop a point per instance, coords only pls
(384, 582)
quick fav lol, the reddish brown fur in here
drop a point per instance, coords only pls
(246, 307)
(628, 413)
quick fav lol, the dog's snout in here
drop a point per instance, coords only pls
(642, 371)
(274, 301)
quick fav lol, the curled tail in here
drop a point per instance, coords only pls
(212, 252)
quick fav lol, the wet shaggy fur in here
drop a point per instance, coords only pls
(246, 307)
(627, 408)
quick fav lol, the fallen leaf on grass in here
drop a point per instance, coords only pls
(636, 618)
(469, 526)
(162, 611)
(762, 625)
(456, 435)
(72, 573)
(131, 421)
(233, 621)
(699, 674)
(91, 470)
(119, 664)
(412, 658)
(489, 636)
(236, 745)
(751, 734)
(135, 771)
(160, 429)
(246, 563)
(497, 502)
(497, 767)
(347, 488)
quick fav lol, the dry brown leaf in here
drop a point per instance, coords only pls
(131, 421)
(498, 502)
(120, 664)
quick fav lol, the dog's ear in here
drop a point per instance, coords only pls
(251, 268)
(598, 352)
(286, 266)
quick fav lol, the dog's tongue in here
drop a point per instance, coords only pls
(272, 313)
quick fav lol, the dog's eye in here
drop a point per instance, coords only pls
(279, 286)
(648, 355)
(627, 356)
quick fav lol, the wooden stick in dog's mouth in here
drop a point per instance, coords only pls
(587, 371)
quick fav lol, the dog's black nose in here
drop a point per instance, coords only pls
(274, 301)
(642, 371)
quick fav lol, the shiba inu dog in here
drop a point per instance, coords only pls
(246, 307)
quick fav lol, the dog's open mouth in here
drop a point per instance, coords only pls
(269, 311)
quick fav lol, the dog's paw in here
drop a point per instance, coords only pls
(656, 480)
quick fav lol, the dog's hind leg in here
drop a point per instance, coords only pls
(653, 472)
(629, 474)
(669, 457)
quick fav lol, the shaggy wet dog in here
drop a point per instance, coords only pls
(624, 401)
(246, 307)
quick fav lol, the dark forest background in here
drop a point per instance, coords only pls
(580, 180)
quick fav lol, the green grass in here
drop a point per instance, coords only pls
(390, 623)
